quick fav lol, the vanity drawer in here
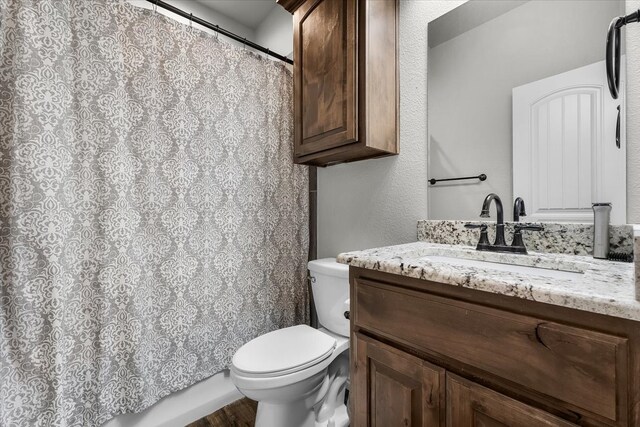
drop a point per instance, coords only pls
(580, 367)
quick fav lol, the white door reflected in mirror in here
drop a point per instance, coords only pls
(565, 155)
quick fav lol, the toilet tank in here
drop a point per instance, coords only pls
(330, 286)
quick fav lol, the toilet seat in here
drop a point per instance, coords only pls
(249, 381)
(284, 351)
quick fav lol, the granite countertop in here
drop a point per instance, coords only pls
(598, 286)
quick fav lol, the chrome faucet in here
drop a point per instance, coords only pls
(518, 209)
(517, 246)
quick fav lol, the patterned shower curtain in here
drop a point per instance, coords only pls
(151, 218)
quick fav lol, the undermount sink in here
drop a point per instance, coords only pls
(510, 268)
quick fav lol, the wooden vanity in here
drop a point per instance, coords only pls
(430, 354)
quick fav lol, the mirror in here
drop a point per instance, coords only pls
(517, 90)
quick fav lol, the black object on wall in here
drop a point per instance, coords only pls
(613, 50)
(481, 177)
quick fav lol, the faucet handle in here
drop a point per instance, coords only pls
(484, 236)
(517, 234)
(482, 227)
(530, 227)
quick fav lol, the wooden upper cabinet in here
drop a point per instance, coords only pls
(393, 388)
(325, 76)
(345, 79)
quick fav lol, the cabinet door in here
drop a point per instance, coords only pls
(471, 405)
(324, 73)
(392, 388)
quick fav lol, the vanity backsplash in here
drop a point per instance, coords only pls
(561, 238)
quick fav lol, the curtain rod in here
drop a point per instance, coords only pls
(218, 29)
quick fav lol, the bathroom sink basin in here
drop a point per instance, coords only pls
(508, 268)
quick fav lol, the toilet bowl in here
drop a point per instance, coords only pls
(298, 375)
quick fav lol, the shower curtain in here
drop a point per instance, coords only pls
(151, 217)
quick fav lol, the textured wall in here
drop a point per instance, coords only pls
(470, 92)
(378, 202)
(633, 118)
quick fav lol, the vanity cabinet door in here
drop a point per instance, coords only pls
(393, 388)
(471, 405)
(583, 370)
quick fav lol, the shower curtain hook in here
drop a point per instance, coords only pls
(217, 32)
(244, 44)
(191, 20)
(155, 7)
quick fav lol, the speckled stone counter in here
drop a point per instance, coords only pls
(561, 238)
(603, 287)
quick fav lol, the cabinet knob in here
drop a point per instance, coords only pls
(346, 314)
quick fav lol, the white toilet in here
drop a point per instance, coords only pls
(299, 374)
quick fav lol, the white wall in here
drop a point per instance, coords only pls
(633, 117)
(276, 31)
(378, 202)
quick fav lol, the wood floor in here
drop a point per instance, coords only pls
(241, 413)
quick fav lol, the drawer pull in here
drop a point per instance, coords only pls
(538, 337)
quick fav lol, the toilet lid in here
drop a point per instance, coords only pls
(284, 351)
